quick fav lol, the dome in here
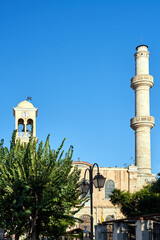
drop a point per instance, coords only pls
(25, 104)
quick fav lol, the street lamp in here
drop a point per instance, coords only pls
(98, 182)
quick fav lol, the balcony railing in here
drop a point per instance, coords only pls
(23, 134)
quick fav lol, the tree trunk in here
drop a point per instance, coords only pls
(34, 232)
(34, 235)
(16, 236)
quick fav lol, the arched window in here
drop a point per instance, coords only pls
(29, 125)
(20, 125)
(109, 217)
(85, 222)
(109, 187)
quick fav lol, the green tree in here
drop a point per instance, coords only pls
(39, 189)
(142, 202)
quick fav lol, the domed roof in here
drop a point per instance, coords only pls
(25, 104)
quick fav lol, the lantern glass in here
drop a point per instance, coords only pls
(99, 181)
(84, 187)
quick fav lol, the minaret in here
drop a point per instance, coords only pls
(142, 122)
(25, 120)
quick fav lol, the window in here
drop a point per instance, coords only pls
(109, 187)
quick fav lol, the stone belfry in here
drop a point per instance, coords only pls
(142, 122)
(25, 120)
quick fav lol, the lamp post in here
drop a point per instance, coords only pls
(98, 182)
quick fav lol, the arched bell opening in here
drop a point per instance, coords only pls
(30, 125)
(21, 127)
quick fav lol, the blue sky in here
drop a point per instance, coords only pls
(76, 58)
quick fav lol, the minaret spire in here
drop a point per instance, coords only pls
(142, 122)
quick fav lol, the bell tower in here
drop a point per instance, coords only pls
(25, 120)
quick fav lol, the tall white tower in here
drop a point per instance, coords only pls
(142, 122)
(25, 120)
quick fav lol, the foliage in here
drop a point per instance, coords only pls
(39, 189)
(142, 202)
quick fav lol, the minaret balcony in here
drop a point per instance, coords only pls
(142, 80)
(143, 121)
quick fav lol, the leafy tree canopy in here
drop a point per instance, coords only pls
(142, 202)
(39, 189)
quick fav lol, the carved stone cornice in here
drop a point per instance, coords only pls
(142, 80)
(143, 121)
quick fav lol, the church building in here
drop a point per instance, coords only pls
(134, 177)
(131, 178)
